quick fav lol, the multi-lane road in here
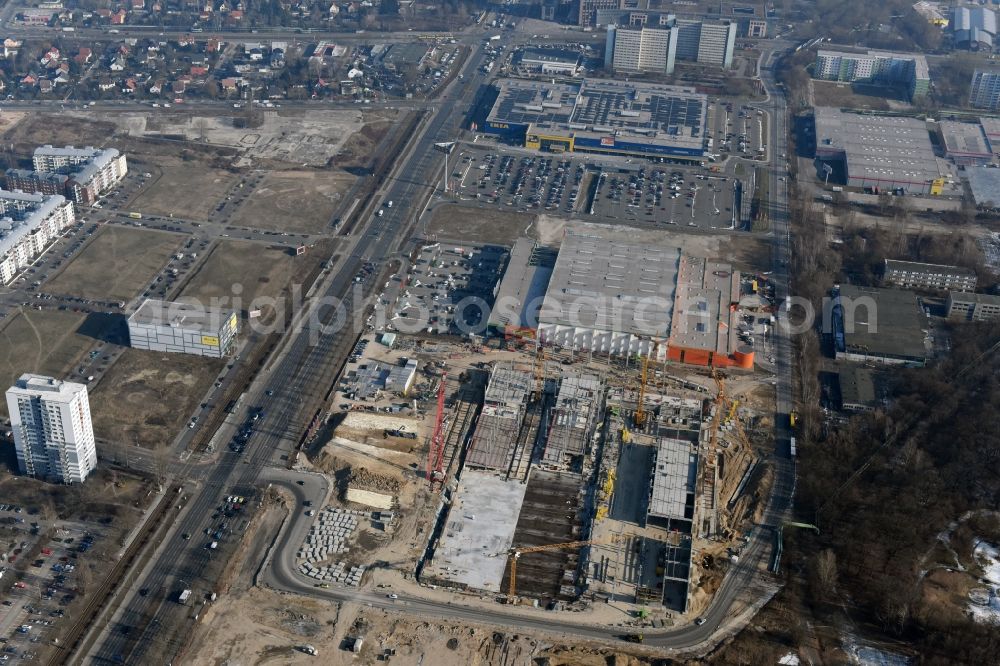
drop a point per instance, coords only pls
(151, 623)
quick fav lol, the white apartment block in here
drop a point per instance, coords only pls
(880, 67)
(53, 433)
(91, 171)
(984, 92)
(637, 48)
(28, 224)
(716, 42)
(60, 160)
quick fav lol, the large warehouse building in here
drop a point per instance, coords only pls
(611, 293)
(879, 325)
(182, 328)
(882, 152)
(974, 28)
(614, 117)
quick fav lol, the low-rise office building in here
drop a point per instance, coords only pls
(550, 61)
(964, 306)
(183, 328)
(916, 275)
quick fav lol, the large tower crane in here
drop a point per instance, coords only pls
(435, 453)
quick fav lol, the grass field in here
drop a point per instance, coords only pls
(261, 271)
(147, 397)
(478, 225)
(848, 96)
(187, 190)
(116, 264)
(42, 341)
(294, 201)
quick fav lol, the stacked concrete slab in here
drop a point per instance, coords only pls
(330, 535)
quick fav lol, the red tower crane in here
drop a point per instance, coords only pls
(435, 454)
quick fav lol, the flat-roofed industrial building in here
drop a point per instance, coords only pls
(879, 325)
(609, 294)
(183, 328)
(857, 389)
(613, 117)
(882, 153)
(965, 143)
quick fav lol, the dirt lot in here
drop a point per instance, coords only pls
(59, 130)
(43, 341)
(286, 137)
(294, 201)
(264, 627)
(262, 271)
(479, 225)
(357, 150)
(146, 397)
(184, 189)
(116, 264)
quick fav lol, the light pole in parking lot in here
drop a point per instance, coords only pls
(445, 147)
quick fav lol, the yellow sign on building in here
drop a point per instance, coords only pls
(210, 340)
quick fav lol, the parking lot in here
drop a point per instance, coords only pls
(737, 129)
(33, 611)
(444, 288)
(592, 186)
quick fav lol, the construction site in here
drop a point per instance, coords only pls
(543, 474)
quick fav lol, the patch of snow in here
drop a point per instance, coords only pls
(790, 659)
(988, 557)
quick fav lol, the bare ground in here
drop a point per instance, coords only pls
(187, 190)
(470, 224)
(146, 397)
(43, 341)
(116, 264)
(249, 271)
(294, 201)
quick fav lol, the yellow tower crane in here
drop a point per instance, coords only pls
(515, 554)
(640, 410)
(539, 369)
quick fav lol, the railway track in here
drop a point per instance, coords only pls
(72, 639)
